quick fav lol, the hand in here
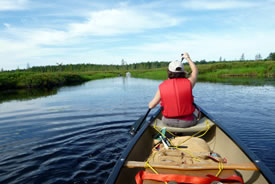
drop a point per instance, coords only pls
(185, 55)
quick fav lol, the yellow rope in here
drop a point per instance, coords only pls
(147, 164)
(155, 127)
(206, 129)
(220, 169)
(171, 133)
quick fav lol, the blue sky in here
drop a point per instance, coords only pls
(39, 32)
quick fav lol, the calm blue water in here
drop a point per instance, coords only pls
(77, 135)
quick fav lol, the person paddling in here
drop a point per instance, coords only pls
(175, 95)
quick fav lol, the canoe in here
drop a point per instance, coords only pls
(235, 159)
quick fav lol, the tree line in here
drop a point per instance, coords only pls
(59, 67)
(124, 66)
(97, 67)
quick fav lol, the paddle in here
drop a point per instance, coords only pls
(182, 58)
(135, 127)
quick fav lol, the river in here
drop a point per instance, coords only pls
(77, 134)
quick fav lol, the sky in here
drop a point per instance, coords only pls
(39, 32)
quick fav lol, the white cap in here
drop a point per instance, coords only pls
(176, 66)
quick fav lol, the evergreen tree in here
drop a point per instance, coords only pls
(271, 56)
(258, 57)
(242, 57)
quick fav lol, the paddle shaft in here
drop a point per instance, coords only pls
(138, 123)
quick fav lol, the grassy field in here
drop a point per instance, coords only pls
(259, 69)
(38, 80)
(226, 72)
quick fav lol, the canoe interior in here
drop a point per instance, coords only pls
(218, 142)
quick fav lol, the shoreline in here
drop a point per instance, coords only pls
(223, 72)
(48, 80)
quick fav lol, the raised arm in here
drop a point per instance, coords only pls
(194, 75)
(155, 101)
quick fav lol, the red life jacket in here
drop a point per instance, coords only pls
(176, 97)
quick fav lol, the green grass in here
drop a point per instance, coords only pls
(160, 74)
(38, 80)
(98, 75)
(253, 72)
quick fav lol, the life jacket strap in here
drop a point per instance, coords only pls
(143, 175)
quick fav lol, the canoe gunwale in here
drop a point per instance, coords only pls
(255, 159)
(121, 161)
(266, 172)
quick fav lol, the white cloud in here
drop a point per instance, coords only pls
(13, 4)
(35, 37)
(30, 44)
(121, 21)
(108, 35)
(217, 5)
(47, 37)
(7, 25)
(207, 46)
(107, 22)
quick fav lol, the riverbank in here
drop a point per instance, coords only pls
(226, 72)
(48, 80)
(57, 76)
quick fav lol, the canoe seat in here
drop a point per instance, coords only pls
(200, 126)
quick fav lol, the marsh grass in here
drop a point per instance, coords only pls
(39, 80)
(159, 74)
(217, 72)
(248, 73)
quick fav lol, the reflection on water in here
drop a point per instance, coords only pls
(25, 94)
(28, 94)
(76, 135)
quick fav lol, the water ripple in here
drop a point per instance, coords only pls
(77, 135)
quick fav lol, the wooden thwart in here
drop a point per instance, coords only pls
(239, 166)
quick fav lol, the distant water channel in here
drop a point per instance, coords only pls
(77, 134)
